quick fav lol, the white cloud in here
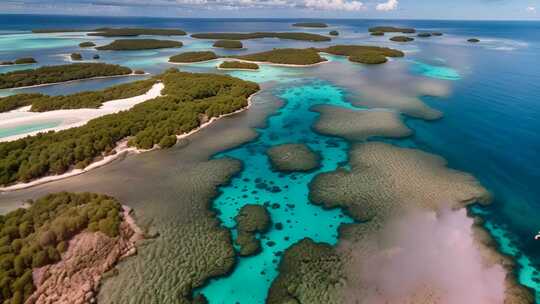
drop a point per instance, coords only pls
(531, 9)
(336, 5)
(389, 5)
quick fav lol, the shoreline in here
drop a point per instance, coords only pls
(120, 150)
(75, 80)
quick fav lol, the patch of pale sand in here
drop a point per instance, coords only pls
(71, 118)
(385, 180)
(359, 124)
(88, 257)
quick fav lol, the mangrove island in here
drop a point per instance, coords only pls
(139, 44)
(311, 24)
(228, 44)
(259, 35)
(238, 65)
(391, 29)
(188, 57)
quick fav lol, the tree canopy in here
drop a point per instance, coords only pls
(139, 44)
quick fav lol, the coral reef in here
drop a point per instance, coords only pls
(293, 157)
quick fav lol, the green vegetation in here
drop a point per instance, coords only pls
(133, 32)
(258, 35)
(377, 34)
(401, 39)
(44, 103)
(437, 34)
(87, 44)
(310, 24)
(228, 44)
(59, 73)
(36, 236)
(138, 72)
(286, 56)
(424, 35)
(333, 33)
(76, 56)
(473, 40)
(239, 65)
(251, 219)
(189, 97)
(392, 29)
(193, 57)
(364, 54)
(139, 44)
(52, 30)
(7, 63)
(26, 60)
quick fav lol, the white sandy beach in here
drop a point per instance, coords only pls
(120, 150)
(70, 118)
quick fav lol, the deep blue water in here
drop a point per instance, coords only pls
(491, 123)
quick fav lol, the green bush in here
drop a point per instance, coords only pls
(132, 32)
(187, 96)
(139, 44)
(259, 35)
(228, 44)
(286, 56)
(50, 222)
(59, 73)
(193, 57)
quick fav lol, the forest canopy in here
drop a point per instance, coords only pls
(60, 73)
(36, 236)
(310, 24)
(228, 44)
(391, 29)
(189, 97)
(258, 35)
(286, 56)
(188, 57)
(363, 53)
(89, 99)
(238, 65)
(139, 44)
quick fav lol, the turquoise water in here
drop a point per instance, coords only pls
(258, 184)
(27, 128)
(434, 71)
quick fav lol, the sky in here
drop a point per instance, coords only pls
(406, 9)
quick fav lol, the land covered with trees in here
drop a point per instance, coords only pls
(188, 57)
(311, 24)
(401, 39)
(139, 44)
(228, 44)
(36, 236)
(391, 29)
(133, 32)
(60, 73)
(76, 56)
(258, 35)
(87, 44)
(286, 56)
(334, 33)
(239, 65)
(92, 99)
(364, 54)
(189, 99)
(26, 60)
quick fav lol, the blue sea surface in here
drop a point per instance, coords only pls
(490, 127)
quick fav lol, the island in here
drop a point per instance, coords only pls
(473, 40)
(293, 158)
(286, 57)
(333, 33)
(437, 34)
(84, 234)
(56, 30)
(311, 24)
(228, 44)
(363, 54)
(189, 100)
(95, 99)
(424, 35)
(259, 35)
(76, 56)
(87, 44)
(60, 73)
(25, 60)
(189, 57)
(377, 34)
(238, 65)
(133, 32)
(250, 221)
(96, 56)
(391, 29)
(401, 39)
(139, 44)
